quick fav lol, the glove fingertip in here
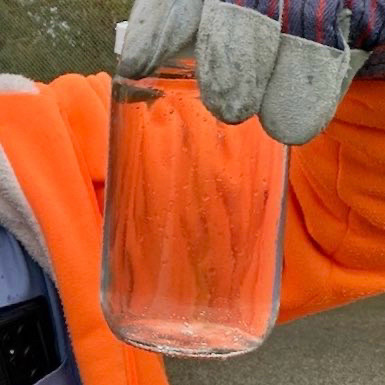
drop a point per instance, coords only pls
(229, 112)
(285, 133)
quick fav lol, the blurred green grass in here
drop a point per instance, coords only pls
(43, 39)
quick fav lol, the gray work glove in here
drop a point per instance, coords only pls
(245, 65)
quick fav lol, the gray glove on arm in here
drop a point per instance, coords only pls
(245, 65)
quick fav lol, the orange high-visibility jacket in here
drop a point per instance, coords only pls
(53, 160)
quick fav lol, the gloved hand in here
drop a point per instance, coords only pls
(246, 66)
(236, 49)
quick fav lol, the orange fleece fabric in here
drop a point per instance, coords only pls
(56, 144)
(194, 208)
(335, 232)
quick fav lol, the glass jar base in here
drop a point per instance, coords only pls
(187, 339)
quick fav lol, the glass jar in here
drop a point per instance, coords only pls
(194, 219)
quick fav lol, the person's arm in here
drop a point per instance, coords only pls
(271, 58)
(335, 238)
(53, 148)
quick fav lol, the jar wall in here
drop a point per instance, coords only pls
(193, 221)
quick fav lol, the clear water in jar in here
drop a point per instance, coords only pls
(193, 222)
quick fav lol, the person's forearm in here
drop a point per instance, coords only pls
(316, 20)
(367, 24)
